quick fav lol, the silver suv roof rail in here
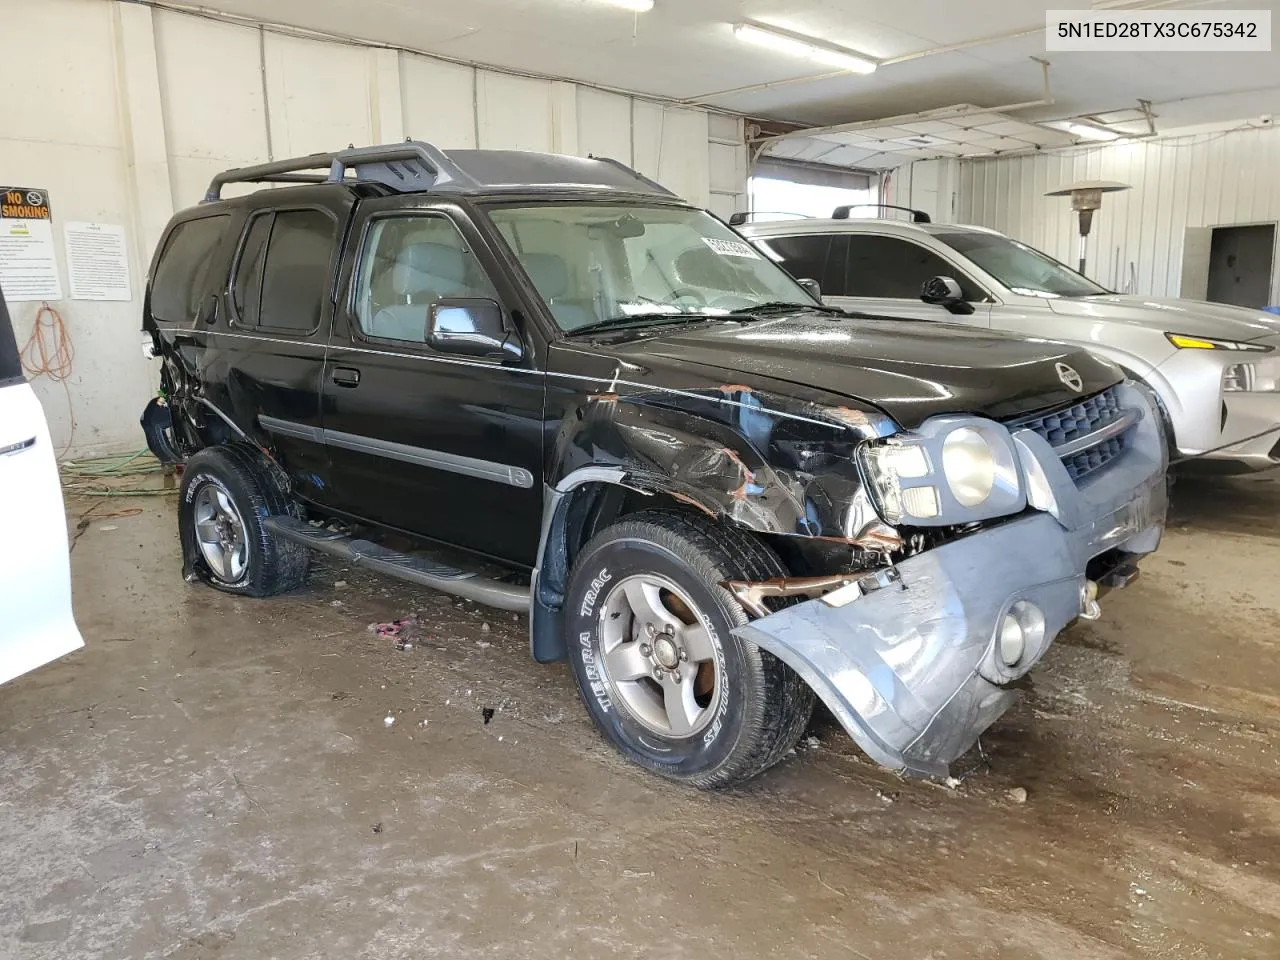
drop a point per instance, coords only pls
(742, 216)
(917, 216)
(407, 167)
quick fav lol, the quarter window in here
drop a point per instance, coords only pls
(409, 263)
(183, 271)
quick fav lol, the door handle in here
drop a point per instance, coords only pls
(346, 376)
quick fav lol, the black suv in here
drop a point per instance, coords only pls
(716, 497)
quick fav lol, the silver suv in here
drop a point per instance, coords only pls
(1215, 368)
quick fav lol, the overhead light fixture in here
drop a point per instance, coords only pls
(636, 6)
(1087, 131)
(797, 45)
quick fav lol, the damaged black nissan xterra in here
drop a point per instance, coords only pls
(716, 497)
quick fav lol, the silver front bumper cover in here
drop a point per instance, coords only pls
(912, 670)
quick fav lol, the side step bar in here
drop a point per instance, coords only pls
(403, 566)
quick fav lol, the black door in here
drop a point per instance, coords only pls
(442, 445)
(279, 303)
(1240, 265)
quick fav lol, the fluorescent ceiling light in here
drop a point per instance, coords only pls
(784, 41)
(638, 6)
(1087, 131)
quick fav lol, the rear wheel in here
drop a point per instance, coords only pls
(657, 666)
(227, 493)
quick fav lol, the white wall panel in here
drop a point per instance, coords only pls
(439, 101)
(604, 124)
(670, 145)
(209, 126)
(514, 112)
(1206, 180)
(147, 105)
(318, 95)
(65, 131)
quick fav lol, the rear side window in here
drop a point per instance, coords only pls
(813, 256)
(182, 274)
(283, 275)
(896, 269)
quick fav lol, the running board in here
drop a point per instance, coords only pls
(403, 566)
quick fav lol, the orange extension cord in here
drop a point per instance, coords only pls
(48, 352)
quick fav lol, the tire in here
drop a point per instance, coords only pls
(738, 709)
(234, 484)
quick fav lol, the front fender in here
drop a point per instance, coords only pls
(734, 454)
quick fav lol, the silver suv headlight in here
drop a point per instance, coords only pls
(952, 470)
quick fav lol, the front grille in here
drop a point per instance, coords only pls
(1065, 425)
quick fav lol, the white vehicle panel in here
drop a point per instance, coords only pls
(36, 623)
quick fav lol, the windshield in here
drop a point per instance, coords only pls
(1024, 270)
(599, 262)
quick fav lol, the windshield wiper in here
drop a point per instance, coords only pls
(638, 321)
(782, 306)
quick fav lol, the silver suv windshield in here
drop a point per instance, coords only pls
(607, 263)
(1024, 270)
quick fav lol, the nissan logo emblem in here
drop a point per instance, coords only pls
(1068, 376)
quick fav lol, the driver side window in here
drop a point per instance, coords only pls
(895, 269)
(409, 263)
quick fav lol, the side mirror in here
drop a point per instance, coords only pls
(472, 327)
(813, 287)
(946, 292)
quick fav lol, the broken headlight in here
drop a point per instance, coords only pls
(953, 470)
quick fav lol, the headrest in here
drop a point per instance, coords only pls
(429, 268)
(700, 267)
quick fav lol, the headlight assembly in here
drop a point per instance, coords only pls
(969, 465)
(952, 470)
(1185, 342)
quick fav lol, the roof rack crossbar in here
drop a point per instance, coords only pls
(401, 167)
(917, 216)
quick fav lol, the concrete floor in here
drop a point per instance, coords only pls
(214, 778)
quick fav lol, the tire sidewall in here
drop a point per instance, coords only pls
(595, 575)
(197, 477)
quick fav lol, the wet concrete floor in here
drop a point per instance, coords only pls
(215, 778)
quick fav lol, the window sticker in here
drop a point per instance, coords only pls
(731, 248)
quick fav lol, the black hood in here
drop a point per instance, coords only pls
(911, 369)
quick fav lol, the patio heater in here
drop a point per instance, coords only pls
(1086, 197)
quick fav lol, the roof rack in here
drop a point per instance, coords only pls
(917, 216)
(403, 167)
(742, 216)
(418, 167)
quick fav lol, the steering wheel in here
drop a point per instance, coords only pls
(682, 292)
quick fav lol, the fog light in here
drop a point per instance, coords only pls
(1013, 643)
(1021, 631)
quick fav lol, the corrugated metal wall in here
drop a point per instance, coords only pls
(1206, 180)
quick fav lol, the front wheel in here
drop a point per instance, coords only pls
(655, 660)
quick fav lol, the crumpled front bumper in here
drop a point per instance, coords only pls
(912, 669)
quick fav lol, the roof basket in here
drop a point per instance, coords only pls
(406, 167)
(742, 216)
(917, 216)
